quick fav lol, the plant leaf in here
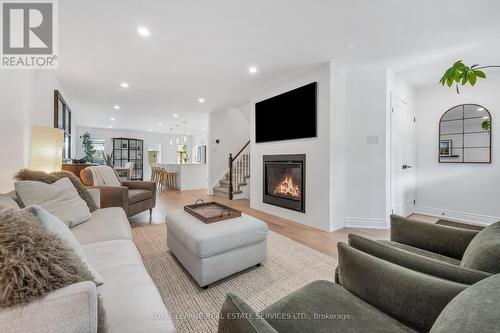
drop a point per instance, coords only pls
(480, 74)
(472, 79)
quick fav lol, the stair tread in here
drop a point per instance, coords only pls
(225, 190)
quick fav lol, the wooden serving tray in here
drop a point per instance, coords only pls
(210, 212)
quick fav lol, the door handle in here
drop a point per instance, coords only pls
(406, 166)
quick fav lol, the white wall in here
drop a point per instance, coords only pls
(367, 163)
(465, 191)
(232, 128)
(168, 152)
(27, 99)
(317, 152)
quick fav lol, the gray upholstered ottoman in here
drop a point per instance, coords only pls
(210, 252)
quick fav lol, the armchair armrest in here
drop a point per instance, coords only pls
(413, 298)
(114, 196)
(96, 196)
(417, 262)
(448, 241)
(69, 309)
(142, 185)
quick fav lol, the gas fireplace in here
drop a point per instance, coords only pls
(284, 181)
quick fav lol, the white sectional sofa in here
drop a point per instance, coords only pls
(130, 298)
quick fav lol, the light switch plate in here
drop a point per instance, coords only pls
(373, 140)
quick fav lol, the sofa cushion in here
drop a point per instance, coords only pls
(237, 316)
(138, 195)
(59, 198)
(421, 252)
(483, 252)
(206, 240)
(56, 226)
(473, 310)
(131, 299)
(335, 310)
(106, 224)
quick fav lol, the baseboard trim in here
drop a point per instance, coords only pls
(368, 223)
(462, 216)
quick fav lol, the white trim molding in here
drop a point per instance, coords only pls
(462, 216)
(363, 222)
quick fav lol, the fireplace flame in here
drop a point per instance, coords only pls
(287, 188)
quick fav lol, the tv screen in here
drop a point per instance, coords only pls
(288, 116)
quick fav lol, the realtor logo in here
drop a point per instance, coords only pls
(28, 34)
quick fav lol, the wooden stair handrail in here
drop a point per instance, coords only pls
(231, 160)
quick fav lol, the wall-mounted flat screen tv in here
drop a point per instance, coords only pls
(288, 116)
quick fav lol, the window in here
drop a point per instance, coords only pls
(62, 120)
(98, 145)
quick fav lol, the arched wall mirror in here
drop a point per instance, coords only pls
(465, 135)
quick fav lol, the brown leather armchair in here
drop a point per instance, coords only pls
(133, 196)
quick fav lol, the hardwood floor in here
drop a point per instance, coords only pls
(322, 241)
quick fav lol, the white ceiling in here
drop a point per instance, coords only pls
(204, 48)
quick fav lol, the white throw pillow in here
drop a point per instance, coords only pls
(54, 225)
(59, 198)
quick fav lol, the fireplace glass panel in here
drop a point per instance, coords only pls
(284, 180)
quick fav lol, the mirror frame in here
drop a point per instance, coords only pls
(463, 117)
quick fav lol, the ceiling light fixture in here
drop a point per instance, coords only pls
(116, 107)
(201, 100)
(124, 85)
(176, 115)
(203, 129)
(252, 69)
(160, 124)
(112, 119)
(109, 126)
(143, 31)
(171, 142)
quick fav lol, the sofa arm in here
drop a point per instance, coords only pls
(69, 309)
(417, 262)
(448, 241)
(142, 185)
(95, 193)
(114, 196)
(412, 298)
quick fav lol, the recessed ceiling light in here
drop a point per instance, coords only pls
(160, 124)
(112, 119)
(109, 126)
(203, 129)
(143, 31)
(116, 107)
(252, 69)
(201, 100)
(124, 85)
(176, 115)
(149, 130)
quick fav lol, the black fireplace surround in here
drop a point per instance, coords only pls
(285, 181)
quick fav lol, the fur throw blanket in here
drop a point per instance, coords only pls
(49, 178)
(34, 262)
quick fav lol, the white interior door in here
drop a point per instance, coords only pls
(403, 157)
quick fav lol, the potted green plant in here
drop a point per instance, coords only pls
(88, 147)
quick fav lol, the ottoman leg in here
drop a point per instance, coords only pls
(206, 287)
(258, 265)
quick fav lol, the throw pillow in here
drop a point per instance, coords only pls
(483, 252)
(56, 226)
(49, 178)
(8, 201)
(60, 199)
(34, 262)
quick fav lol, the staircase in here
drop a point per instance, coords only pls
(233, 183)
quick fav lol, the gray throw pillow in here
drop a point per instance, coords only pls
(59, 198)
(476, 309)
(483, 252)
(56, 226)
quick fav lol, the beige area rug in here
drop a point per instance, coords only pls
(289, 266)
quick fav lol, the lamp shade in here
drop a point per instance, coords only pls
(46, 149)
